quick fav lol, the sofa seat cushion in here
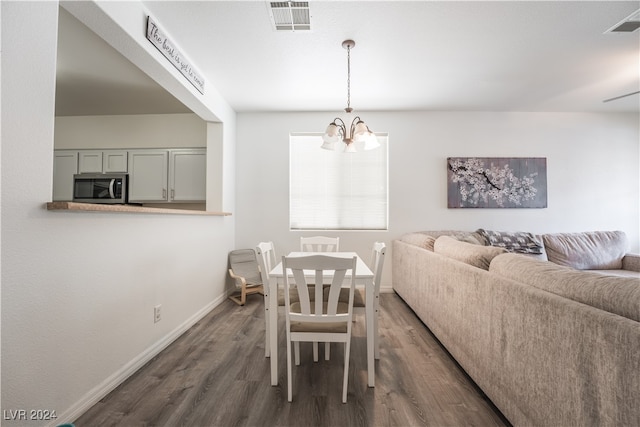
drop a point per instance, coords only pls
(596, 250)
(618, 295)
(469, 253)
(619, 273)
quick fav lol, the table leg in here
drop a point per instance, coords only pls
(273, 328)
(371, 333)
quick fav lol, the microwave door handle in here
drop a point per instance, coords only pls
(111, 184)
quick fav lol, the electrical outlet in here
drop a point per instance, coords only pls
(157, 314)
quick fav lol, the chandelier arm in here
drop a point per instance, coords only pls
(343, 131)
(341, 125)
(352, 128)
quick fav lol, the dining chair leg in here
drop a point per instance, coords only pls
(376, 343)
(267, 349)
(296, 350)
(315, 351)
(376, 313)
(289, 370)
(327, 350)
(347, 349)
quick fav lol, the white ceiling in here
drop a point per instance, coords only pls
(409, 55)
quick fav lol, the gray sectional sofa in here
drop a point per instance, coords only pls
(547, 326)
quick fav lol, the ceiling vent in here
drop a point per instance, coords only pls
(290, 15)
(627, 25)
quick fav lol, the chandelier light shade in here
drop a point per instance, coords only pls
(357, 131)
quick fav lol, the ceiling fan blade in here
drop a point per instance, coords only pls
(621, 96)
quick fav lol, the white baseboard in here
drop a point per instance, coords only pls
(109, 384)
(386, 289)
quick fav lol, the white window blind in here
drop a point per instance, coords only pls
(333, 190)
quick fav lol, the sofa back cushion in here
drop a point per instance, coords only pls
(595, 250)
(469, 253)
(422, 240)
(615, 294)
(426, 239)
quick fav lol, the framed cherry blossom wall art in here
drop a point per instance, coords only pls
(496, 182)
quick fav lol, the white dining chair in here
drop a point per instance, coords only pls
(266, 254)
(377, 263)
(324, 319)
(359, 303)
(319, 244)
(267, 260)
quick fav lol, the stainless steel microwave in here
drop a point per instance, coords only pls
(109, 188)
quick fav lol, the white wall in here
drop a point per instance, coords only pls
(78, 289)
(592, 172)
(130, 131)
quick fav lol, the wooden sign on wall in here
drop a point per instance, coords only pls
(496, 182)
(169, 50)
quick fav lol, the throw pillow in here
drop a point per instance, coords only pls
(513, 241)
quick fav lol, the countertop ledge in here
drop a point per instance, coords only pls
(91, 207)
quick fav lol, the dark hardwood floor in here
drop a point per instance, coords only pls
(216, 375)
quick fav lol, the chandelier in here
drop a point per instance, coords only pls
(358, 131)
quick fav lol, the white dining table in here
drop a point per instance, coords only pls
(364, 276)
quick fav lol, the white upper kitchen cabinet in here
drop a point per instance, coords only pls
(65, 165)
(99, 161)
(114, 161)
(167, 176)
(89, 161)
(187, 175)
(148, 176)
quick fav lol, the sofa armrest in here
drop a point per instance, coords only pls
(631, 262)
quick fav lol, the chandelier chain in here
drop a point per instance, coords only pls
(348, 77)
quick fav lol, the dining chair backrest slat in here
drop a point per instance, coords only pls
(377, 262)
(325, 306)
(319, 244)
(266, 254)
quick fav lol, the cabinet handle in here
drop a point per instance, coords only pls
(173, 194)
(164, 193)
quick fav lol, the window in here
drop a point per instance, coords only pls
(333, 190)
